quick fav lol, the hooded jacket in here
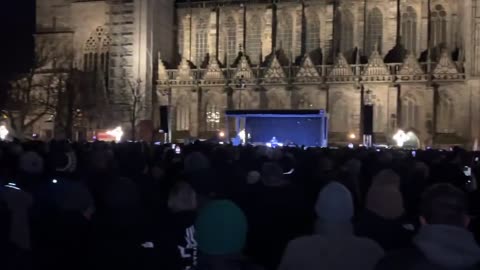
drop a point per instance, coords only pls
(437, 247)
(334, 246)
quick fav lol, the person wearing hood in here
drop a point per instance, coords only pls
(382, 220)
(62, 235)
(277, 214)
(221, 230)
(443, 242)
(333, 246)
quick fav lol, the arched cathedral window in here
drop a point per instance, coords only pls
(374, 31)
(378, 117)
(439, 25)
(180, 32)
(183, 115)
(344, 30)
(339, 121)
(96, 56)
(285, 34)
(201, 44)
(231, 31)
(254, 39)
(313, 33)
(212, 117)
(446, 115)
(410, 112)
(409, 29)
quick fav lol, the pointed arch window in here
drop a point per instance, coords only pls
(231, 35)
(339, 121)
(409, 29)
(254, 39)
(313, 33)
(201, 42)
(446, 115)
(180, 37)
(374, 31)
(410, 112)
(344, 30)
(378, 116)
(285, 34)
(439, 25)
(183, 116)
(212, 117)
(96, 54)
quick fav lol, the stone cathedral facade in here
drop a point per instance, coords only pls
(417, 61)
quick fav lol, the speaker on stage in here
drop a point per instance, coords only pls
(368, 120)
(164, 119)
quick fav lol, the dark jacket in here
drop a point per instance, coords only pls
(175, 244)
(389, 234)
(438, 247)
(227, 262)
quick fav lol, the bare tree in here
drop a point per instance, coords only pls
(33, 96)
(133, 101)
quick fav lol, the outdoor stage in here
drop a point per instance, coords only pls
(299, 127)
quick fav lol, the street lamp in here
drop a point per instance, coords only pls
(3, 132)
(368, 119)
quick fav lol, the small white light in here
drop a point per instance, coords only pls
(54, 181)
(352, 136)
(117, 133)
(241, 135)
(221, 134)
(3, 132)
(350, 145)
(289, 172)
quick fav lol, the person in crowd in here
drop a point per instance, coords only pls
(382, 219)
(221, 230)
(175, 246)
(443, 242)
(274, 212)
(333, 246)
(62, 234)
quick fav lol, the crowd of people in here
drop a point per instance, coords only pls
(220, 207)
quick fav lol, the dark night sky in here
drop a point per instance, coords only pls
(17, 27)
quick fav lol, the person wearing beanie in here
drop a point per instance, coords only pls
(220, 232)
(444, 241)
(31, 163)
(333, 246)
(383, 219)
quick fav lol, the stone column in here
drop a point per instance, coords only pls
(267, 34)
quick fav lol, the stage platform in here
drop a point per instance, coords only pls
(300, 127)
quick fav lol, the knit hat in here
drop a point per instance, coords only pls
(253, 177)
(272, 175)
(196, 161)
(221, 228)
(73, 196)
(384, 197)
(31, 162)
(334, 204)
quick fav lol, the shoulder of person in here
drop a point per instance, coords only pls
(403, 259)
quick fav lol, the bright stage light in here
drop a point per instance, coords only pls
(221, 134)
(3, 132)
(241, 135)
(352, 136)
(401, 137)
(117, 133)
